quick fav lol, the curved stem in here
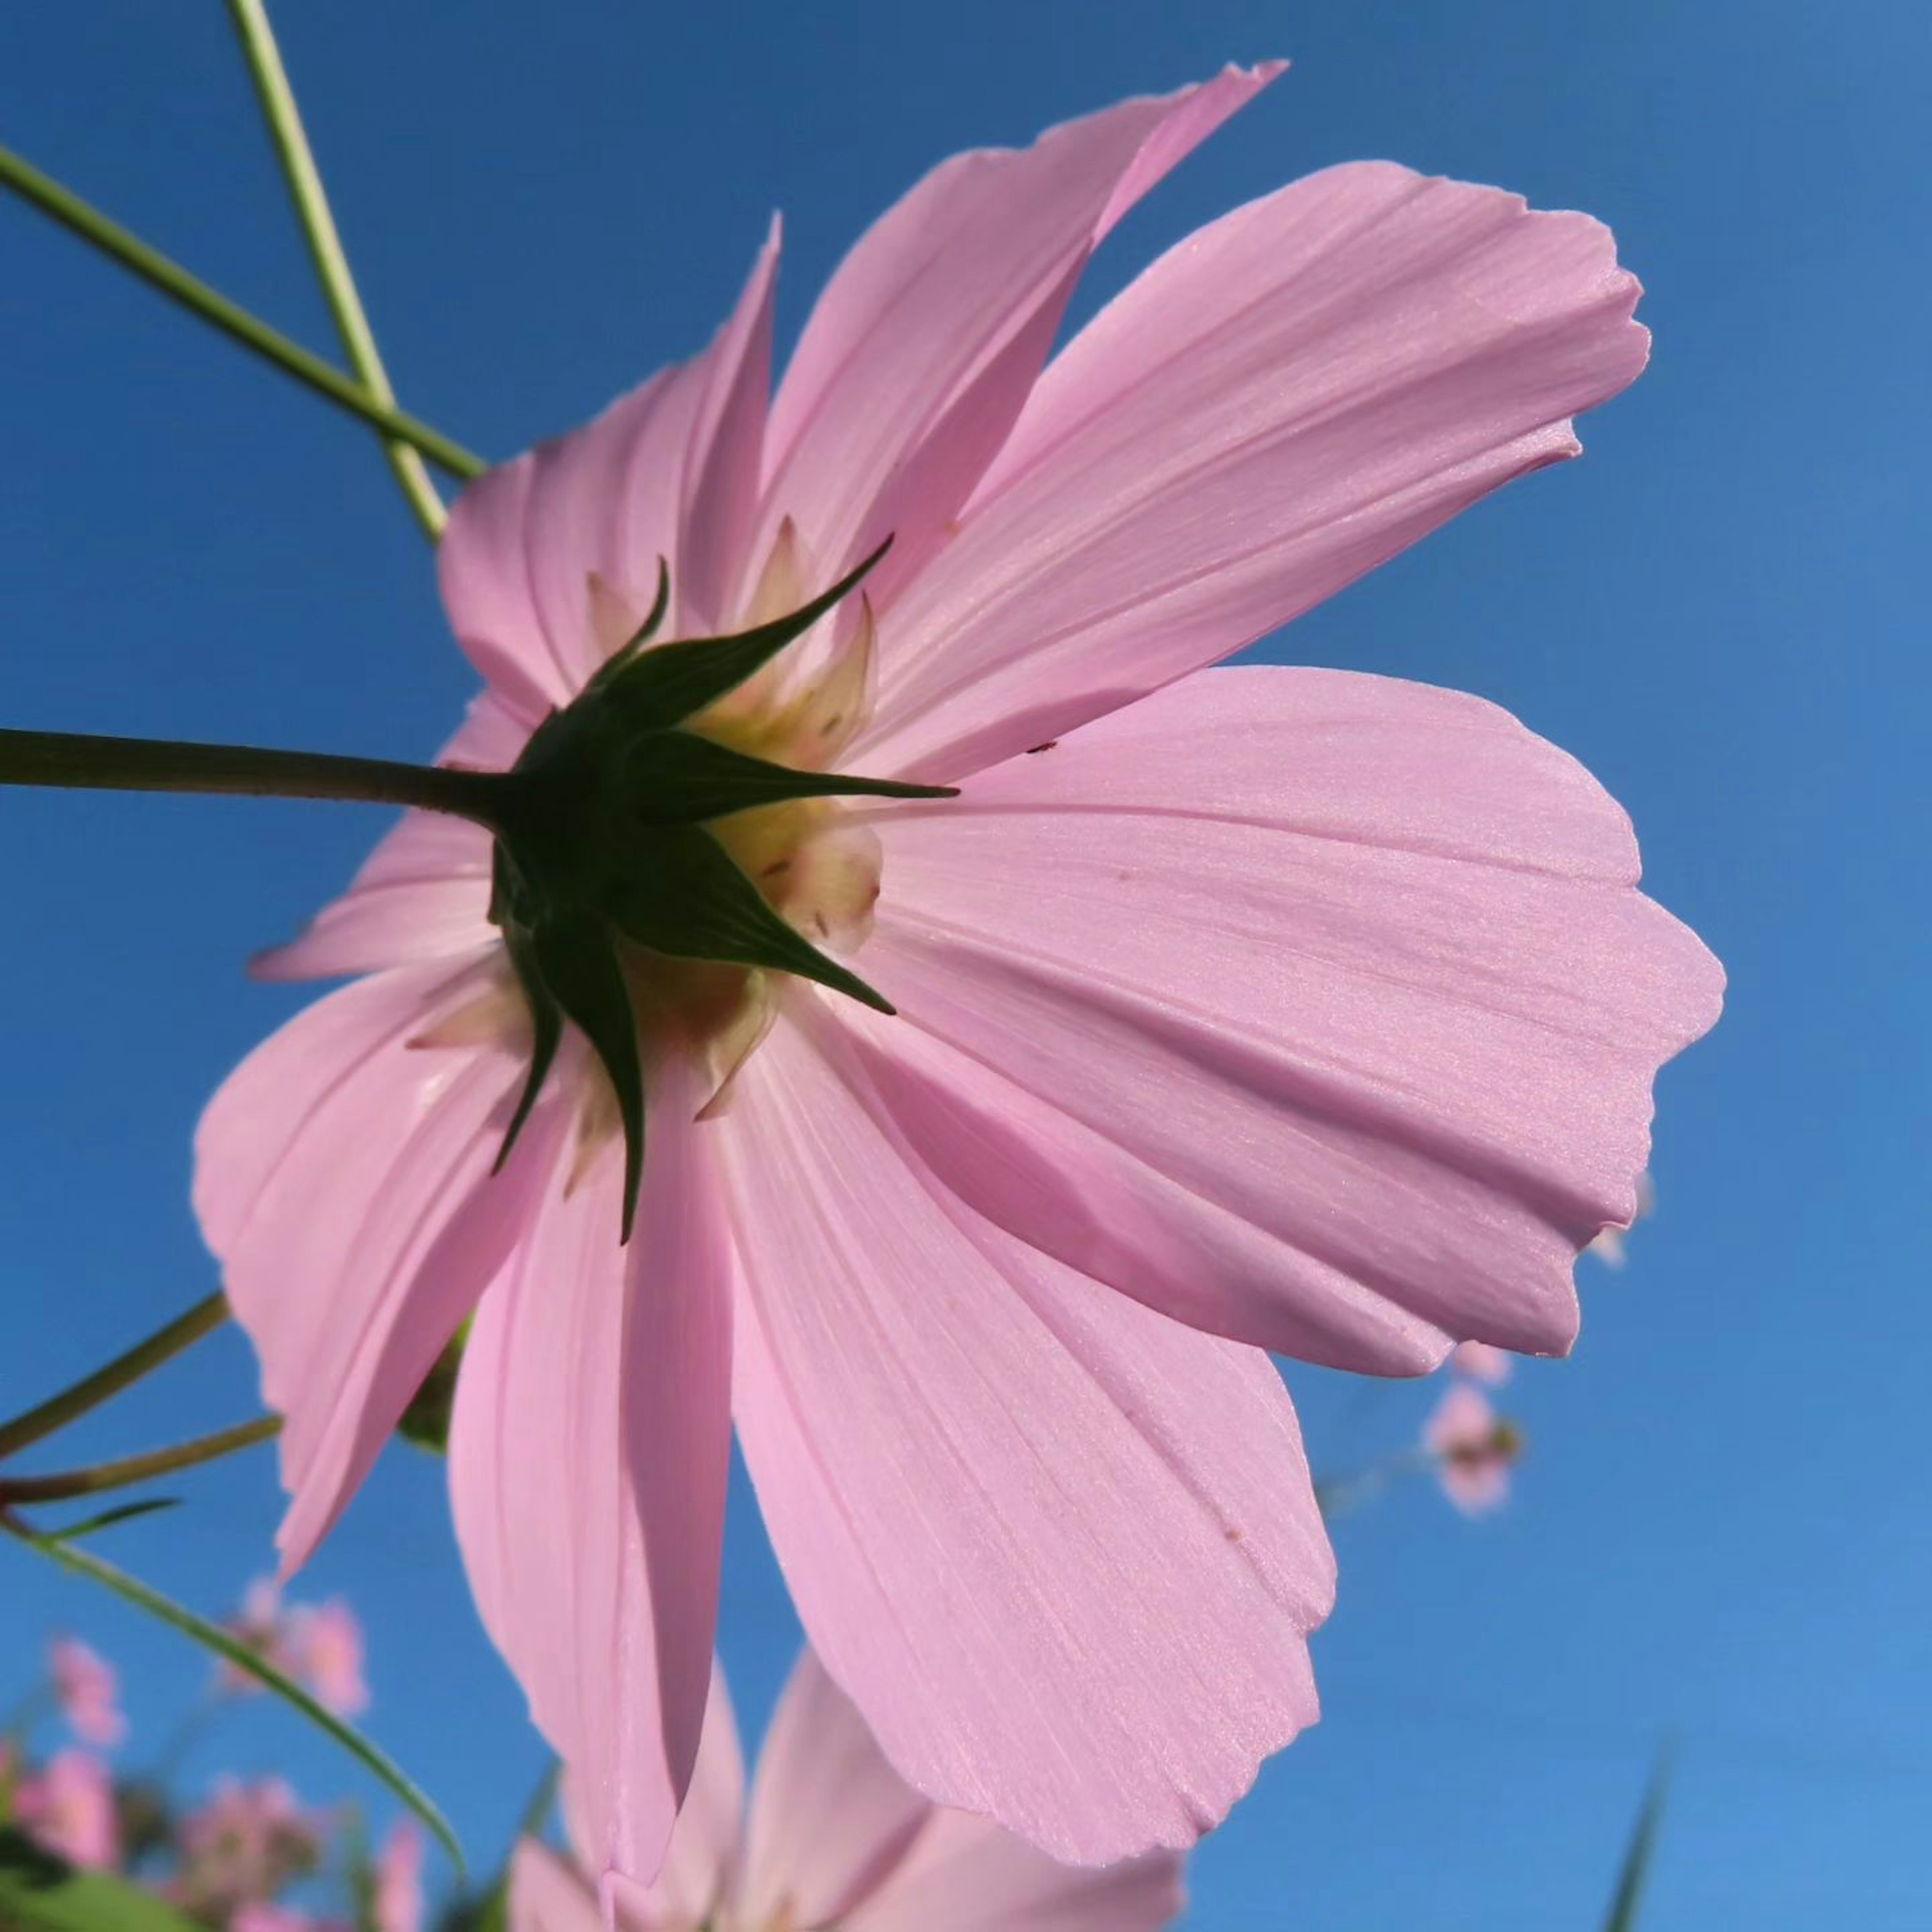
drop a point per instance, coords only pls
(203, 1318)
(46, 194)
(67, 1484)
(80, 760)
(325, 246)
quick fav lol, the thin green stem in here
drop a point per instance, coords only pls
(325, 246)
(203, 1318)
(80, 760)
(46, 194)
(66, 1484)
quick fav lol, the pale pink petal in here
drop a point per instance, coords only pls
(324, 1643)
(423, 893)
(1316, 1010)
(67, 1808)
(588, 1456)
(549, 1894)
(702, 1856)
(349, 1292)
(1062, 1553)
(830, 1818)
(612, 498)
(88, 1692)
(967, 1875)
(922, 351)
(398, 1901)
(1295, 393)
(1483, 1363)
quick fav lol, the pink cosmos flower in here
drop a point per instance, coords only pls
(1474, 1450)
(67, 1808)
(88, 1691)
(1482, 1364)
(834, 1837)
(1265, 1008)
(242, 1847)
(397, 1906)
(318, 1645)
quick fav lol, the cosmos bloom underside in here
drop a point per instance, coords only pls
(833, 1836)
(1264, 1008)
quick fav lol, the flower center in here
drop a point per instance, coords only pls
(814, 860)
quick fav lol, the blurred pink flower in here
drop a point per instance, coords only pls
(398, 1903)
(88, 1691)
(834, 1837)
(242, 1846)
(1267, 1008)
(1611, 1245)
(67, 1808)
(262, 1917)
(318, 1645)
(325, 1641)
(1482, 1364)
(1475, 1449)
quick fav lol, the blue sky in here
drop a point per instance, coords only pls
(1720, 1532)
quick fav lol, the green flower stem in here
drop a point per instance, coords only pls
(174, 281)
(325, 245)
(77, 759)
(68, 1483)
(203, 1318)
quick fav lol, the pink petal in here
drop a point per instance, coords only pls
(1481, 1362)
(670, 470)
(1316, 1010)
(588, 1456)
(967, 1875)
(1292, 395)
(423, 893)
(830, 1818)
(349, 1293)
(922, 351)
(702, 1857)
(1062, 1553)
(547, 1894)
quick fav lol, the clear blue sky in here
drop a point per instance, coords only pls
(1721, 1530)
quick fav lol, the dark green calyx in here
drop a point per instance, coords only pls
(606, 850)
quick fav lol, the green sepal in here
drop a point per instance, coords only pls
(676, 778)
(662, 687)
(686, 896)
(546, 1031)
(425, 1423)
(639, 638)
(578, 961)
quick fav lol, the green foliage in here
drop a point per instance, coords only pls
(1642, 1848)
(40, 1893)
(211, 1637)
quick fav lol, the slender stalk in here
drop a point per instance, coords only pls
(63, 205)
(91, 1391)
(325, 246)
(68, 1483)
(80, 760)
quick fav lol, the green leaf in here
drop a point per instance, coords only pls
(211, 1637)
(677, 777)
(1642, 1848)
(687, 897)
(578, 962)
(40, 1893)
(126, 1513)
(665, 687)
